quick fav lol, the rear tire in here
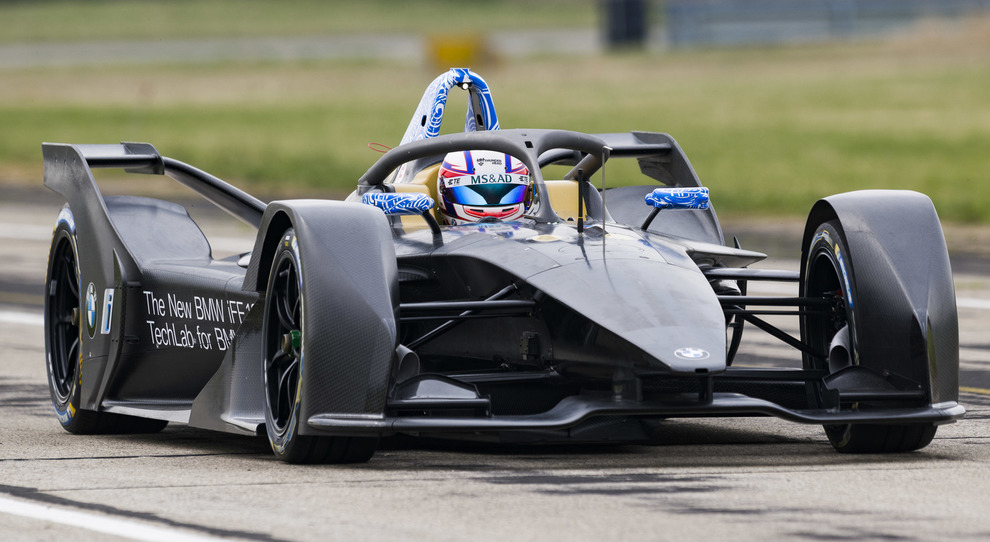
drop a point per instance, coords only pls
(63, 339)
(283, 330)
(828, 272)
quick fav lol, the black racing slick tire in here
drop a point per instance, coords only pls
(64, 312)
(283, 330)
(828, 274)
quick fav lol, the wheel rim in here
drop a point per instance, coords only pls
(823, 282)
(63, 317)
(283, 343)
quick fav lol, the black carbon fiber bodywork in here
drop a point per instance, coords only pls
(154, 281)
(350, 289)
(67, 172)
(624, 278)
(232, 401)
(542, 326)
(905, 304)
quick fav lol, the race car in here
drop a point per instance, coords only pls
(491, 285)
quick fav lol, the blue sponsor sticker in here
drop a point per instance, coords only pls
(107, 311)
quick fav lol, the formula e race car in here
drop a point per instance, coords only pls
(597, 313)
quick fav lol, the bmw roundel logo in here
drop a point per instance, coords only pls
(692, 353)
(91, 310)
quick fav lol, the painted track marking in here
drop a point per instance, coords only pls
(99, 523)
(978, 391)
(972, 303)
(22, 317)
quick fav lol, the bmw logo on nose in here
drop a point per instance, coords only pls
(91, 310)
(691, 353)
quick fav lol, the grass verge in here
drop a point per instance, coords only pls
(769, 131)
(108, 20)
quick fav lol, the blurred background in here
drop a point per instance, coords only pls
(776, 102)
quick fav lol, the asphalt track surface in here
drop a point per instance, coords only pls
(714, 479)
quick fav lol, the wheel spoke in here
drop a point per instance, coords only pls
(287, 307)
(297, 310)
(285, 314)
(65, 378)
(58, 364)
(68, 267)
(283, 303)
(72, 354)
(292, 288)
(292, 293)
(281, 369)
(286, 380)
(286, 396)
(275, 363)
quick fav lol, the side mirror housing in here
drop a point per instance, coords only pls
(679, 198)
(404, 203)
(683, 197)
(399, 203)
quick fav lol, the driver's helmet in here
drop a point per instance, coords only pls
(482, 186)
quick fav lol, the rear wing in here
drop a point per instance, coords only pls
(68, 171)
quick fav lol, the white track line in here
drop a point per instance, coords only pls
(22, 317)
(972, 303)
(25, 232)
(122, 528)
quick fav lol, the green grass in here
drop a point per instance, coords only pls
(768, 130)
(72, 20)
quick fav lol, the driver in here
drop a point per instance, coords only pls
(482, 186)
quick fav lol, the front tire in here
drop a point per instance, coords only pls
(283, 330)
(828, 273)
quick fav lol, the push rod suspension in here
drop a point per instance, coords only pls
(437, 331)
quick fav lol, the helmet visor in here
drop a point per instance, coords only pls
(486, 194)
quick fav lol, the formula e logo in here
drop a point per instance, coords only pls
(91, 310)
(692, 354)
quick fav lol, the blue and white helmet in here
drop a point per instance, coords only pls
(475, 186)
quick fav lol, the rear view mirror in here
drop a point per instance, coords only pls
(685, 197)
(399, 203)
(404, 203)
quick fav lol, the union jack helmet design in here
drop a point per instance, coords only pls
(487, 186)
